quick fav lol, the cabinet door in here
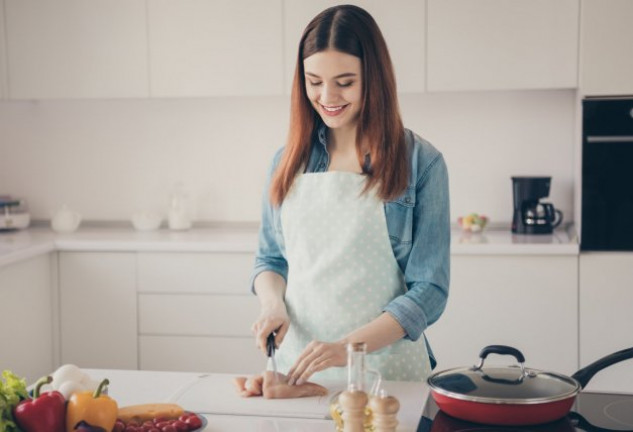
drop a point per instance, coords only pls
(500, 44)
(209, 307)
(3, 55)
(606, 38)
(529, 302)
(402, 26)
(606, 322)
(98, 309)
(217, 273)
(76, 49)
(215, 48)
(26, 336)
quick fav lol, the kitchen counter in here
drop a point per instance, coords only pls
(213, 396)
(19, 245)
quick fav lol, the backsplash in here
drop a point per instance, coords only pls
(109, 158)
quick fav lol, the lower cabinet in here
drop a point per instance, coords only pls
(606, 318)
(27, 333)
(528, 302)
(98, 309)
(195, 313)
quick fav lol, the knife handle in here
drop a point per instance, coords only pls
(270, 344)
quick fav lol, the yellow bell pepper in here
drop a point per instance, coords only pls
(96, 409)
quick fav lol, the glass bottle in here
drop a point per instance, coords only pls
(357, 373)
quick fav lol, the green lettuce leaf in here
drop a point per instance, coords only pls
(12, 391)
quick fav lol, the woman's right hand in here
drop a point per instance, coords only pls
(271, 318)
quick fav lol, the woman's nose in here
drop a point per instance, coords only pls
(329, 94)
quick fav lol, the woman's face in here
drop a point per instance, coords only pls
(334, 87)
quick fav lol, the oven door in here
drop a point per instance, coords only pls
(607, 179)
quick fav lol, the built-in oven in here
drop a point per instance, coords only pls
(607, 174)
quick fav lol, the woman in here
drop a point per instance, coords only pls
(354, 242)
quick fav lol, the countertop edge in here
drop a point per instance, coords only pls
(21, 245)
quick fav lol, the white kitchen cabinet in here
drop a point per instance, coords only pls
(3, 55)
(606, 38)
(201, 354)
(98, 309)
(218, 273)
(26, 336)
(606, 321)
(195, 312)
(215, 48)
(76, 49)
(500, 44)
(403, 27)
(525, 301)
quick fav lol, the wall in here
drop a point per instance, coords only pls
(109, 158)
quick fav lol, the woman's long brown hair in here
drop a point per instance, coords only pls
(351, 30)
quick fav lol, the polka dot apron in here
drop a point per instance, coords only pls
(342, 273)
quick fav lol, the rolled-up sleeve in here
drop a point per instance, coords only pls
(427, 271)
(270, 252)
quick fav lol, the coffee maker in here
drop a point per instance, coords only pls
(531, 216)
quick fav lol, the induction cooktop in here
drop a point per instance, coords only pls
(592, 412)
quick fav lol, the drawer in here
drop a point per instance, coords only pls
(197, 314)
(201, 354)
(195, 272)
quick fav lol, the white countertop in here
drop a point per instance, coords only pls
(19, 245)
(213, 396)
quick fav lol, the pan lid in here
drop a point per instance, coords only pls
(512, 384)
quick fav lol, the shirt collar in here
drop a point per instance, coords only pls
(322, 134)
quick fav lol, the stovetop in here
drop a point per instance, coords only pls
(592, 412)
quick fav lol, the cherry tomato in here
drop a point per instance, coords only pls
(180, 426)
(194, 422)
(119, 426)
(169, 428)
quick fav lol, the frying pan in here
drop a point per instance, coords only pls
(512, 395)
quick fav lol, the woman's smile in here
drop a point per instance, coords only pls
(333, 110)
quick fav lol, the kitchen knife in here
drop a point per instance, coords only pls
(270, 350)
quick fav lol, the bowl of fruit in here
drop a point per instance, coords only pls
(473, 223)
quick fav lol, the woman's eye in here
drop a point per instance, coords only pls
(346, 84)
(314, 84)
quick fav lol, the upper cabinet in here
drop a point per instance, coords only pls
(3, 57)
(501, 44)
(606, 38)
(401, 25)
(215, 48)
(76, 49)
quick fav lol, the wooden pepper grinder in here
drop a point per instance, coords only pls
(385, 409)
(353, 403)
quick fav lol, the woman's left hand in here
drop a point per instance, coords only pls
(317, 356)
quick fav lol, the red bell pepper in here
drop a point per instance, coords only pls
(43, 413)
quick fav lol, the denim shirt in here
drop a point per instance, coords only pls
(418, 223)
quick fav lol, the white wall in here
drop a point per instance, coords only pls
(109, 158)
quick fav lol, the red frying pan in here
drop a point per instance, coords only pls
(512, 395)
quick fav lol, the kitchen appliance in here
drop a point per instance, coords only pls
(531, 216)
(13, 213)
(592, 412)
(511, 395)
(607, 185)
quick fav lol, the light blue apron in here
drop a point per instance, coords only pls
(342, 273)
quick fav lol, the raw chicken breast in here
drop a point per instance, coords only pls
(266, 385)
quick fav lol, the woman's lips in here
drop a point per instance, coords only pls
(333, 110)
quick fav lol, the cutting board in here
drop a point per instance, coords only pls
(216, 394)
